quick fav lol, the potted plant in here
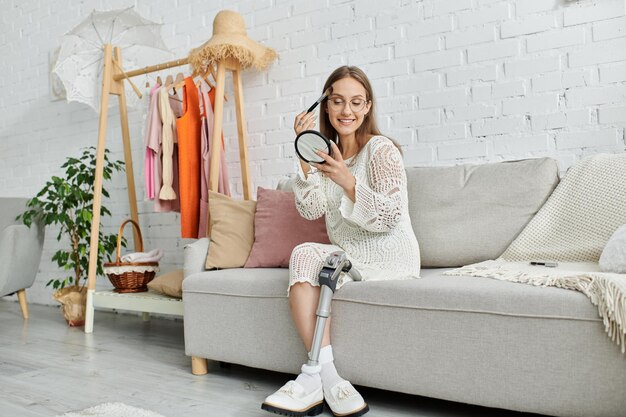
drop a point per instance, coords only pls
(67, 202)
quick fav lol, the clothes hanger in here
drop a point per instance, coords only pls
(169, 80)
(211, 71)
(205, 77)
(179, 81)
(157, 80)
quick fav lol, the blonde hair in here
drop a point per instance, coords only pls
(369, 127)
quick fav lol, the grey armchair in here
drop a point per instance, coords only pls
(20, 251)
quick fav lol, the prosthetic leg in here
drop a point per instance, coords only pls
(334, 265)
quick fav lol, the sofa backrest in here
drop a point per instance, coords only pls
(470, 213)
(10, 208)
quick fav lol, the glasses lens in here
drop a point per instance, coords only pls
(357, 104)
(337, 104)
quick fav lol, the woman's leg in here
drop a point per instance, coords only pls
(305, 393)
(341, 396)
(303, 396)
(303, 301)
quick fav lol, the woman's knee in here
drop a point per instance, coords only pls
(302, 291)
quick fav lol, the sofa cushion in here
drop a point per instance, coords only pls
(432, 292)
(278, 228)
(170, 283)
(470, 213)
(245, 282)
(231, 230)
(613, 257)
(471, 295)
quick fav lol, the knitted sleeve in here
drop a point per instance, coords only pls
(310, 199)
(379, 202)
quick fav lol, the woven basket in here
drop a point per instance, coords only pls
(130, 276)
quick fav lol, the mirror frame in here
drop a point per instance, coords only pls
(318, 134)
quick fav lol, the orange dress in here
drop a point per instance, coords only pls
(188, 127)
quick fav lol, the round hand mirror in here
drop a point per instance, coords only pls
(307, 142)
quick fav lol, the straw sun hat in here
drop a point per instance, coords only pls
(230, 40)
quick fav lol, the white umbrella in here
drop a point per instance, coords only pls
(80, 61)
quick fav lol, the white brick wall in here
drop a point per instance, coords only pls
(609, 29)
(458, 81)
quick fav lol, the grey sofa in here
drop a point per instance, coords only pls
(20, 251)
(472, 340)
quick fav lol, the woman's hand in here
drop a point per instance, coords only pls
(335, 168)
(304, 121)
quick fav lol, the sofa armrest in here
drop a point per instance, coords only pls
(194, 256)
(20, 254)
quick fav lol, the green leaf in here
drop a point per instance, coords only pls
(66, 201)
(85, 215)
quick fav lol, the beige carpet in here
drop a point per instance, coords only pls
(112, 410)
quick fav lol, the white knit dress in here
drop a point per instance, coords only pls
(375, 231)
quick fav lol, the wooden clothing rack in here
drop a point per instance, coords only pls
(113, 83)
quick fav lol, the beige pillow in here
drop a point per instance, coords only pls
(169, 284)
(231, 230)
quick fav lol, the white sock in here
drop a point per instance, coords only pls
(329, 374)
(309, 378)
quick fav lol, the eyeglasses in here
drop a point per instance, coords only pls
(338, 104)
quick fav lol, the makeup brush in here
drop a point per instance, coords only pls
(319, 100)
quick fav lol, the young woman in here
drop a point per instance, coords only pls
(362, 191)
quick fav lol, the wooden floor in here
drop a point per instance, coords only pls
(47, 368)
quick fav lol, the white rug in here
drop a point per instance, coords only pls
(112, 410)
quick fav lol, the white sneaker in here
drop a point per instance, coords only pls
(345, 401)
(291, 400)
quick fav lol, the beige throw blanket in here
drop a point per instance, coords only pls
(572, 228)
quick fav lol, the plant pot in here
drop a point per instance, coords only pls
(73, 300)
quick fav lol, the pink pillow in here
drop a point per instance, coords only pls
(278, 228)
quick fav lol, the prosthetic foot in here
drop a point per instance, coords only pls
(343, 399)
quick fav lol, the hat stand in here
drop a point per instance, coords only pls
(229, 64)
(113, 83)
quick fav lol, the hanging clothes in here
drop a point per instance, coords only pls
(166, 163)
(188, 126)
(169, 124)
(224, 183)
(207, 120)
(207, 101)
(178, 134)
(151, 141)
